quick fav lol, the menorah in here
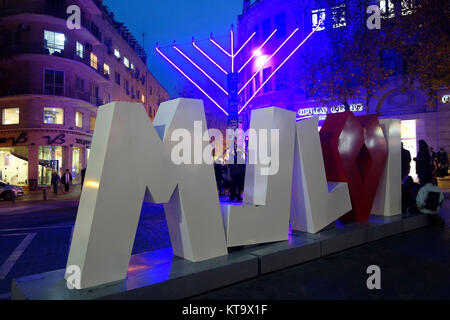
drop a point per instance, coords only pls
(233, 91)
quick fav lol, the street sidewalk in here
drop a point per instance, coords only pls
(33, 201)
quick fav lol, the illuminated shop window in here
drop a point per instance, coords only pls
(409, 139)
(338, 13)
(53, 115)
(80, 50)
(54, 41)
(50, 160)
(106, 70)
(126, 62)
(79, 119)
(54, 82)
(94, 61)
(76, 164)
(92, 123)
(14, 165)
(316, 16)
(10, 116)
(117, 53)
(387, 9)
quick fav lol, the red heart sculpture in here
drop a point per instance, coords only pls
(354, 151)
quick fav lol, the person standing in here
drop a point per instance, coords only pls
(66, 180)
(55, 182)
(423, 163)
(406, 162)
(237, 172)
(430, 199)
(83, 174)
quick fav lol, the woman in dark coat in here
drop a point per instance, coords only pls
(423, 162)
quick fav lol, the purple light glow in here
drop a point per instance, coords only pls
(259, 49)
(209, 58)
(285, 60)
(201, 70)
(192, 81)
(218, 46)
(259, 69)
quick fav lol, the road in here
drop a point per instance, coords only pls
(35, 237)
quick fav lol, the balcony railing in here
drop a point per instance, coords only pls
(38, 48)
(58, 12)
(69, 92)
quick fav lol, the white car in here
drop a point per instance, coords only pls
(7, 191)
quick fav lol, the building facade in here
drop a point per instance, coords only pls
(287, 88)
(53, 79)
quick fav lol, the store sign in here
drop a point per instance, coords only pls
(446, 98)
(351, 152)
(303, 112)
(83, 142)
(59, 139)
(21, 138)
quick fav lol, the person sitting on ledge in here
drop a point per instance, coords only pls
(430, 199)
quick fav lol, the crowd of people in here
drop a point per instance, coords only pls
(230, 172)
(425, 196)
(65, 179)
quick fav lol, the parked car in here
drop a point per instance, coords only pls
(7, 191)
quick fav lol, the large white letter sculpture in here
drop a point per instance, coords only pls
(388, 200)
(267, 198)
(315, 202)
(129, 161)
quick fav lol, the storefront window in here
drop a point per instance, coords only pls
(53, 115)
(76, 164)
(14, 165)
(408, 133)
(10, 116)
(50, 158)
(79, 119)
(88, 153)
(92, 123)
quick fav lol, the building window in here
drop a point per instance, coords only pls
(143, 98)
(126, 85)
(54, 41)
(266, 28)
(151, 91)
(387, 9)
(53, 115)
(126, 62)
(80, 50)
(117, 78)
(91, 123)
(280, 25)
(54, 82)
(50, 158)
(106, 70)
(10, 116)
(78, 119)
(132, 67)
(266, 75)
(94, 61)
(80, 84)
(408, 7)
(257, 82)
(117, 53)
(316, 16)
(338, 14)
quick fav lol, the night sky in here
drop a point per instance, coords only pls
(164, 21)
